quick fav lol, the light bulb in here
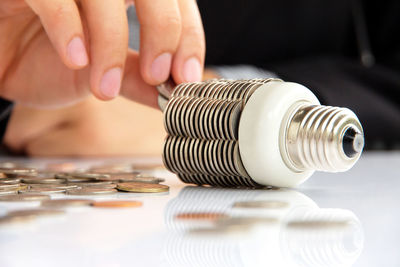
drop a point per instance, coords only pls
(260, 132)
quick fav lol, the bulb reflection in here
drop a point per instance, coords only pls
(229, 227)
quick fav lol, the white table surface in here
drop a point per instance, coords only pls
(367, 198)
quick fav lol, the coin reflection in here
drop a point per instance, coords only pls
(231, 227)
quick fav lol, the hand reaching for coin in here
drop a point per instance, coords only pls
(55, 52)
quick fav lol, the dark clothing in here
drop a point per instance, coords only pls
(317, 43)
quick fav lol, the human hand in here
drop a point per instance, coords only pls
(89, 128)
(54, 52)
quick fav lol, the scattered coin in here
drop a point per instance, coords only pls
(34, 180)
(121, 177)
(117, 204)
(28, 197)
(142, 187)
(111, 169)
(65, 202)
(88, 175)
(42, 190)
(54, 186)
(17, 170)
(261, 204)
(91, 191)
(10, 181)
(4, 192)
(148, 179)
(203, 216)
(100, 186)
(9, 186)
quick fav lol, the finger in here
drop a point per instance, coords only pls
(160, 28)
(108, 31)
(63, 25)
(189, 59)
(133, 86)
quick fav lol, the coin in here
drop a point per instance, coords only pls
(100, 186)
(5, 192)
(10, 181)
(146, 178)
(91, 191)
(204, 216)
(142, 187)
(41, 190)
(121, 177)
(54, 186)
(261, 204)
(17, 170)
(117, 204)
(66, 202)
(34, 180)
(28, 197)
(9, 186)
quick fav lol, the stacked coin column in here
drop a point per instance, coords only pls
(202, 121)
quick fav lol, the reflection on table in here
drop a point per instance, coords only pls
(234, 227)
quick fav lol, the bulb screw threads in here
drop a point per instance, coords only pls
(322, 138)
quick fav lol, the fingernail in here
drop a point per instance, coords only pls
(77, 52)
(192, 70)
(160, 68)
(110, 84)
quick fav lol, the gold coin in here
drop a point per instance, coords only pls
(91, 191)
(142, 187)
(117, 204)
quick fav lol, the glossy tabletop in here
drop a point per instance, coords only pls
(343, 219)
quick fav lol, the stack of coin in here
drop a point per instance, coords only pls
(202, 121)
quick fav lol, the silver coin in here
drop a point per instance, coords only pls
(41, 190)
(104, 186)
(91, 191)
(10, 181)
(20, 197)
(238, 162)
(177, 145)
(5, 192)
(54, 186)
(35, 180)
